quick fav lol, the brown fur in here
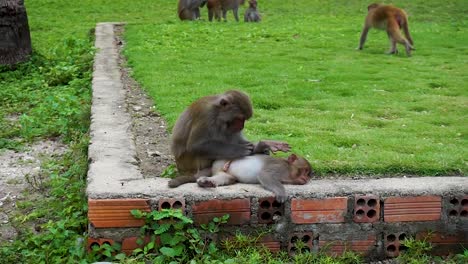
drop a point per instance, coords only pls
(189, 9)
(218, 7)
(209, 129)
(391, 19)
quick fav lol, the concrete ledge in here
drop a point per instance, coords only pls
(370, 216)
(111, 151)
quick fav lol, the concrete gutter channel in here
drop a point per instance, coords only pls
(370, 216)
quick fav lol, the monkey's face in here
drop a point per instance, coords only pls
(301, 171)
(234, 108)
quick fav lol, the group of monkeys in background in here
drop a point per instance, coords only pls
(385, 17)
(207, 141)
(190, 9)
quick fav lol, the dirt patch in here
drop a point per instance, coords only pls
(21, 170)
(149, 129)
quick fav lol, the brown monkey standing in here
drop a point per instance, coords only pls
(391, 19)
(216, 7)
(210, 129)
(251, 14)
(189, 9)
(269, 171)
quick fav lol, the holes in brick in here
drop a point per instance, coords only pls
(391, 238)
(294, 239)
(391, 248)
(165, 205)
(94, 244)
(402, 236)
(464, 202)
(464, 213)
(306, 238)
(454, 201)
(293, 251)
(453, 213)
(402, 248)
(372, 202)
(265, 216)
(269, 210)
(177, 205)
(303, 250)
(107, 243)
(265, 205)
(360, 213)
(361, 202)
(276, 204)
(371, 213)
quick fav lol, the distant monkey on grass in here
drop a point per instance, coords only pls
(189, 9)
(216, 7)
(251, 14)
(391, 19)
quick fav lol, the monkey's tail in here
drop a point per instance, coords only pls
(181, 180)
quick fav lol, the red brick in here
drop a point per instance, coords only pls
(238, 210)
(273, 244)
(309, 211)
(269, 208)
(366, 209)
(444, 244)
(338, 247)
(107, 213)
(172, 203)
(418, 208)
(99, 242)
(130, 243)
(306, 237)
(393, 243)
(458, 207)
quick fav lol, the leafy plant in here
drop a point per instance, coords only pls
(462, 257)
(175, 239)
(169, 172)
(416, 250)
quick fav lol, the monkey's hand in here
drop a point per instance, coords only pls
(277, 145)
(303, 179)
(281, 198)
(249, 148)
(206, 182)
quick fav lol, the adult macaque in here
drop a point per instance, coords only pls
(189, 9)
(251, 14)
(211, 129)
(269, 171)
(216, 7)
(391, 19)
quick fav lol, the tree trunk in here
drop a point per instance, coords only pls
(15, 41)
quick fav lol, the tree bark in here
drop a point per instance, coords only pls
(15, 40)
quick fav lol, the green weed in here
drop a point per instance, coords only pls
(52, 225)
(178, 240)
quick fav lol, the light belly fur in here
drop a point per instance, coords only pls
(245, 170)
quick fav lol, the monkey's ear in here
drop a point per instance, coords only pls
(292, 158)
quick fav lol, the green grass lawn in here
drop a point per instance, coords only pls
(348, 111)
